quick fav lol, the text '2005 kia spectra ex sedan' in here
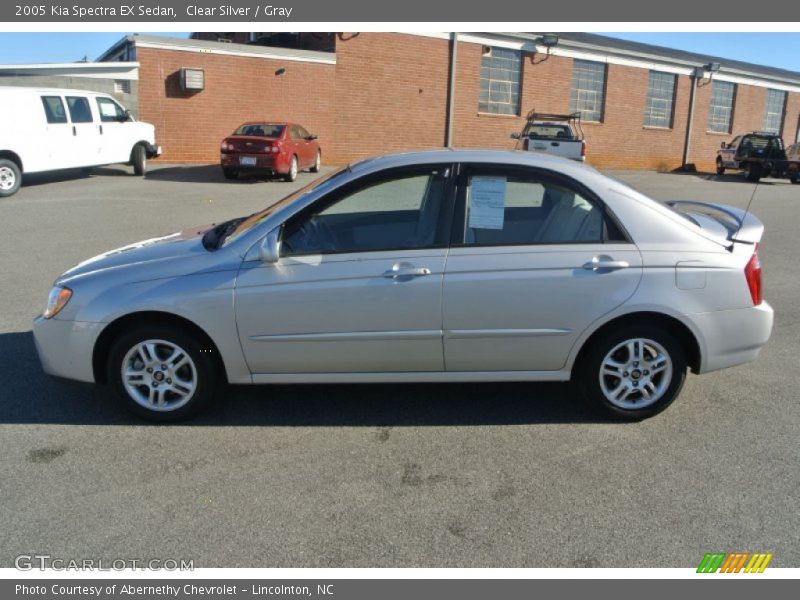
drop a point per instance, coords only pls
(434, 266)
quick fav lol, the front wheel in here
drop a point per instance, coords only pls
(795, 180)
(139, 160)
(720, 168)
(633, 373)
(292, 174)
(161, 373)
(10, 178)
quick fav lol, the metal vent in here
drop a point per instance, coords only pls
(122, 86)
(192, 79)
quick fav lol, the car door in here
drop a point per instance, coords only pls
(86, 137)
(535, 260)
(300, 136)
(58, 146)
(114, 129)
(357, 287)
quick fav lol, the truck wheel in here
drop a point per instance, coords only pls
(139, 160)
(795, 180)
(752, 172)
(10, 177)
(720, 168)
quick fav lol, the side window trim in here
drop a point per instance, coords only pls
(466, 170)
(443, 224)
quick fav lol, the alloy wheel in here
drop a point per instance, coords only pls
(159, 375)
(635, 374)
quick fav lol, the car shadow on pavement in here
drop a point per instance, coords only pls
(31, 397)
(205, 174)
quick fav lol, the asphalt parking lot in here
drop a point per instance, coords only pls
(495, 475)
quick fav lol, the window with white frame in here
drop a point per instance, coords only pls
(588, 89)
(720, 111)
(500, 81)
(660, 96)
(773, 111)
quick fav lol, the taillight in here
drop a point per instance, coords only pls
(752, 272)
(583, 147)
(275, 149)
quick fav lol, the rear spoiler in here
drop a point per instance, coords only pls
(742, 226)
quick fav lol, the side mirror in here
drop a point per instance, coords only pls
(724, 146)
(514, 136)
(311, 137)
(126, 116)
(270, 249)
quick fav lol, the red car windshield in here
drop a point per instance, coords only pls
(260, 130)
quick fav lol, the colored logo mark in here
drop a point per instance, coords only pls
(735, 562)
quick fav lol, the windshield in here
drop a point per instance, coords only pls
(260, 130)
(245, 224)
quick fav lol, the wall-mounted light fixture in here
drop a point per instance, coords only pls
(280, 71)
(549, 41)
(707, 69)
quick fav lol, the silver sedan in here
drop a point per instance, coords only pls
(426, 267)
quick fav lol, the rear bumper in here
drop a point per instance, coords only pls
(263, 162)
(733, 337)
(65, 347)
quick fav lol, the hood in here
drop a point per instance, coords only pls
(152, 252)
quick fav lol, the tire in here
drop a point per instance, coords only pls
(230, 173)
(795, 180)
(292, 174)
(720, 168)
(184, 387)
(752, 172)
(10, 177)
(139, 160)
(317, 163)
(611, 377)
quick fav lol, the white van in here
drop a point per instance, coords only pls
(50, 129)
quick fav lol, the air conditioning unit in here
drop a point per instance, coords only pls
(192, 80)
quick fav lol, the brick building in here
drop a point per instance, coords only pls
(642, 106)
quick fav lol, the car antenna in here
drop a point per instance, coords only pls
(744, 216)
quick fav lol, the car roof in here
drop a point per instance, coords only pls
(450, 155)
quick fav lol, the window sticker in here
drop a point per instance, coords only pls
(487, 197)
(107, 109)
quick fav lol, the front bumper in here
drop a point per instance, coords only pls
(733, 337)
(65, 348)
(153, 151)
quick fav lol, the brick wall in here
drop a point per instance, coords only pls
(391, 94)
(190, 126)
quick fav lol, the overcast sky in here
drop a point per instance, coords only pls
(772, 49)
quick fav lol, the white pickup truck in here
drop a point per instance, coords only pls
(561, 135)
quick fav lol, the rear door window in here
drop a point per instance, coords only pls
(79, 109)
(54, 109)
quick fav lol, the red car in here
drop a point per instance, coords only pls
(279, 148)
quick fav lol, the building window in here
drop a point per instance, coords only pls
(660, 95)
(500, 76)
(588, 89)
(721, 109)
(773, 111)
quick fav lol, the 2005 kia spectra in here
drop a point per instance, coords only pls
(431, 266)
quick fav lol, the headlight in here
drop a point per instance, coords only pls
(58, 298)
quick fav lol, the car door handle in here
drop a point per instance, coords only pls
(599, 263)
(405, 271)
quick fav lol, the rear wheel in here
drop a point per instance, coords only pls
(139, 160)
(795, 179)
(10, 177)
(317, 163)
(633, 373)
(720, 168)
(161, 373)
(230, 173)
(752, 172)
(292, 174)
